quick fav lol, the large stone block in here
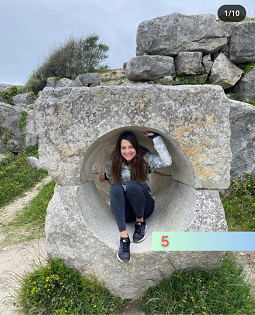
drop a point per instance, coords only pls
(171, 34)
(242, 118)
(10, 139)
(245, 87)
(242, 42)
(188, 63)
(149, 67)
(81, 229)
(224, 72)
(194, 121)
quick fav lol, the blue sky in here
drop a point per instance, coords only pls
(31, 28)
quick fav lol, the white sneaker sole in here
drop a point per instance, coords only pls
(122, 260)
(142, 238)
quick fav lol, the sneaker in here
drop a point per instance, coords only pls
(124, 250)
(139, 234)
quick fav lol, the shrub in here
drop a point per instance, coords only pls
(76, 56)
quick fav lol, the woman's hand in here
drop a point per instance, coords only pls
(101, 177)
(147, 134)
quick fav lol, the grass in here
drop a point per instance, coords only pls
(17, 175)
(29, 223)
(219, 291)
(55, 289)
(239, 204)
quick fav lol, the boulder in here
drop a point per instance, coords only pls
(194, 123)
(242, 42)
(171, 34)
(87, 79)
(51, 82)
(33, 161)
(242, 117)
(149, 67)
(63, 82)
(244, 89)
(188, 63)
(207, 62)
(224, 73)
(10, 139)
(167, 80)
(4, 86)
(24, 98)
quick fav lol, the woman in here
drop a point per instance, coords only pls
(130, 194)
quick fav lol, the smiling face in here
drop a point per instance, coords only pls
(127, 150)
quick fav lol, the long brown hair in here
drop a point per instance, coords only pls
(138, 166)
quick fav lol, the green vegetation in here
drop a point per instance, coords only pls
(17, 175)
(246, 67)
(7, 138)
(76, 56)
(6, 95)
(239, 204)
(188, 80)
(252, 102)
(232, 96)
(220, 291)
(22, 124)
(55, 289)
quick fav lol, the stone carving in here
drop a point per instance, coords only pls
(224, 72)
(242, 42)
(174, 33)
(149, 67)
(77, 128)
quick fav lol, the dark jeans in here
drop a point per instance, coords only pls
(135, 202)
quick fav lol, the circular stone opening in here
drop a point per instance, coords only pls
(172, 187)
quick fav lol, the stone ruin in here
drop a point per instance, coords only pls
(78, 125)
(77, 128)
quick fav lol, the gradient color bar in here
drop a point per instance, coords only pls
(203, 241)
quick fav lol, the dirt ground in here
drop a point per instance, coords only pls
(20, 259)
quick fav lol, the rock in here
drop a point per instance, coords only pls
(63, 82)
(2, 157)
(242, 42)
(188, 63)
(10, 140)
(89, 78)
(244, 89)
(149, 67)
(174, 33)
(124, 65)
(24, 98)
(33, 161)
(167, 80)
(72, 233)
(197, 135)
(242, 117)
(75, 83)
(78, 111)
(229, 28)
(51, 82)
(190, 79)
(207, 62)
(5, 86)
(224, 73)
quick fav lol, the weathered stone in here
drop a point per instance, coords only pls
(244, 89)
(24, 98)
(75, 83)
(9, 123)
(79, 111)
(229, 28)
(207, 62)
(188, 63)
(72, 232)
(171, 34)
(149, 67)
(89, 78)
(242, 42)
(167, 80)
(34, 162)
(242, 117)
(63, 82)
(124, 65)
(51, 82)
(4, 86)
(224, 73)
